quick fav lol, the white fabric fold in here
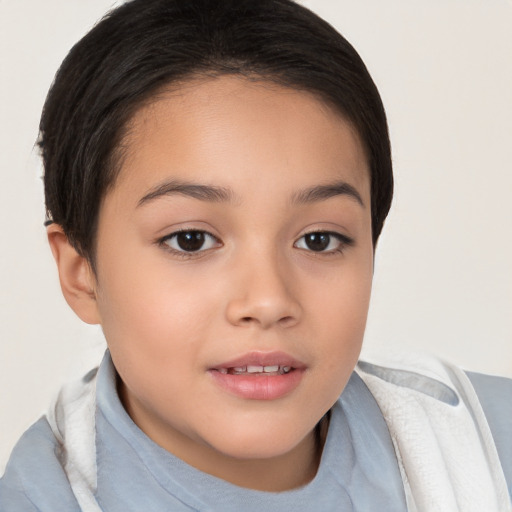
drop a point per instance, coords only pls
(72, 420)
(445, 449)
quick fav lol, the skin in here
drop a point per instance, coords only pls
(170, 316)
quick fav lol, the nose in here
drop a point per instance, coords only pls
(263, 295)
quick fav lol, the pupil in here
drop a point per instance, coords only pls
(317, 241)
(190, 240)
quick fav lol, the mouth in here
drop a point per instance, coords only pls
(260, 364)
(259, 376)
(256, 370)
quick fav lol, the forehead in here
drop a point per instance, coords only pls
(231, 130)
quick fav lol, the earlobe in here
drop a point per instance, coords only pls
(77, 280)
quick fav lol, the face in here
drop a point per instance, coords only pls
(234, 267)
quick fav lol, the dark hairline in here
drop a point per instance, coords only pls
(121, 148)
(145, 46)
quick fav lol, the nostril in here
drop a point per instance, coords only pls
(280, 311)
(286, 320)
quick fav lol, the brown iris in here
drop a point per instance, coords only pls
(190, 240)
(317, 241)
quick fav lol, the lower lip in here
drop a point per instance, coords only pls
(258, 387)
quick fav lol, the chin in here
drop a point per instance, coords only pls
(259, 441)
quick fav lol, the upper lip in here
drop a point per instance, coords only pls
(255, 358)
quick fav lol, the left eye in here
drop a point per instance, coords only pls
(190, 241)
(323, 241)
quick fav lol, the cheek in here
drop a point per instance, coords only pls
(341, 314)
(152, 334)
(341, 304)
(147, 304)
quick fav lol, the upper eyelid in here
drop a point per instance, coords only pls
(341, 236)
(162, 241)
(344, 243)
(188, 230)
(177, 231)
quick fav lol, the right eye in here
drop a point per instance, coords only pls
(190, 241)
(324, 242)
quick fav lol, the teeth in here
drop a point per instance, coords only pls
(252, 369)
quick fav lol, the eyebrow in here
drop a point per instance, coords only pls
(218, 194)
(323, 192)
(203, 192)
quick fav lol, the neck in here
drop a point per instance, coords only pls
(289, 471)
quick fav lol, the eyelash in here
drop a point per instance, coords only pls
(164, 242)
(343, 242)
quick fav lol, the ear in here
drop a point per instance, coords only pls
(77, 280)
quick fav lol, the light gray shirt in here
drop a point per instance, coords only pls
(358, 469)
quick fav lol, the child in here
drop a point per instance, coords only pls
(217, 174)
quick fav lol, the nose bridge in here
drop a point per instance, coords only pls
(263, 291)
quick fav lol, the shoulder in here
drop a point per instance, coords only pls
(34, 478)
(495, 395)
(442, 381)
(416, 375)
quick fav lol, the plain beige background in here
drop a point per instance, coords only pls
(443, 278)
